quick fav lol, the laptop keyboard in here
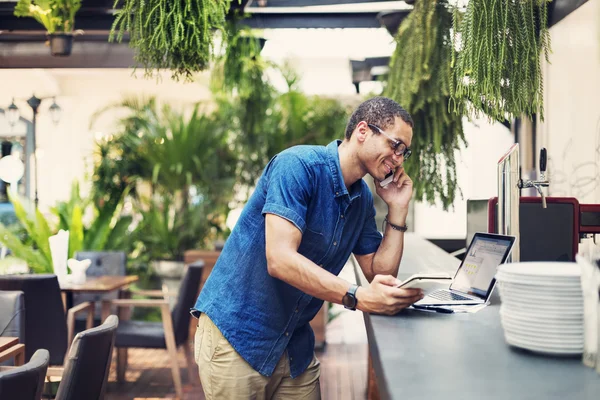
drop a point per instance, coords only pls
(447, 296)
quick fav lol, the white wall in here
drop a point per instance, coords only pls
(65, 150)
(476, 173)
(571, 130)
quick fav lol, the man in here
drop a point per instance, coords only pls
(309, 211)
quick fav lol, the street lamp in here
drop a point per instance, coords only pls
(13, 116)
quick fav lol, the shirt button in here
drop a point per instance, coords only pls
(287, 334)
(335, 243)
(336, 193)
(342, 216)
(296, 310)
(291, 358)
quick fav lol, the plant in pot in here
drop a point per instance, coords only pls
(57, 16)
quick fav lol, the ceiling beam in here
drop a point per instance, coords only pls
(312, 20)
(306, 3)
(559, 9)
(84, 55)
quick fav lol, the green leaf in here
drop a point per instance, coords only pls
(34, 258)
(76, 231)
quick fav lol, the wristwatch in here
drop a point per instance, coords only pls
(349, 300)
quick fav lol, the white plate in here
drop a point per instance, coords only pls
(570, 285)
(536, 305)
(550, 294)
(558, 320)
(542, 331)
(550, 329)
(542, 268)
(549, 333)
(538, 341)
(541, 315)
(542, 348)
(575, 326)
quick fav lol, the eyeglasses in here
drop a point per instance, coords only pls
(400, 149)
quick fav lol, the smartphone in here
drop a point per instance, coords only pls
(427, 282)
(387, 180)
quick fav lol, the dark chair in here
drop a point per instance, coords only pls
(12, 320)
(169, 334)
(12, 314)
(27, 381)
(104, 263)
(85, 373)
(45, 323)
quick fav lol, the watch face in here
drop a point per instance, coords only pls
(349, 301)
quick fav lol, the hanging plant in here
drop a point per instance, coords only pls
(171, 34)
(419, 81)
(498, 67)
(57, 16)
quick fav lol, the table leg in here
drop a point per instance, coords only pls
(105, 310)
(20, 357)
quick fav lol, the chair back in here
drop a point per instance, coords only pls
(27, 381)
(12, 314)
(45, 322)
(104, 263)
(188, 292)
(88, 363)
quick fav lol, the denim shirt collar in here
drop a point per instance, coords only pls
(339, 188)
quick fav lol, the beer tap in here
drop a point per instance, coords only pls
(542, 182)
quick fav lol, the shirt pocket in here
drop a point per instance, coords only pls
(314, 245)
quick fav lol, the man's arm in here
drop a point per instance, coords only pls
(285, 263)
(386, 260)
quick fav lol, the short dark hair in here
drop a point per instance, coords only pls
(379, 111)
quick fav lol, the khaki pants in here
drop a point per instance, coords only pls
(226, 375)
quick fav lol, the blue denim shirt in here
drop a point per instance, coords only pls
(262, 316)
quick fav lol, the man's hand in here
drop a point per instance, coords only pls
(382, 297)
(398, 192)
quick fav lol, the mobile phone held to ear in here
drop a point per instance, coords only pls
(387, 180)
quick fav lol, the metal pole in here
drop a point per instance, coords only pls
(34, 103)
(508, 199)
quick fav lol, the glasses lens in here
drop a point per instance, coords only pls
(407, 154)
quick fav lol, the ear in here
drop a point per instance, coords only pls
(361, 131)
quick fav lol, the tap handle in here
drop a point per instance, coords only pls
(543, 159)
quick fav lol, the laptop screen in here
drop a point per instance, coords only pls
(476, 273)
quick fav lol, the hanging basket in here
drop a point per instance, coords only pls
(60, 44)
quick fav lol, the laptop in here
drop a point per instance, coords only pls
(475, 278)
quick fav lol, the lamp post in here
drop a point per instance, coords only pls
(13, 116)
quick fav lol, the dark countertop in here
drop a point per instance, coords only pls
(421, 354)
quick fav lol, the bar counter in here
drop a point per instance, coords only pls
(425, 355)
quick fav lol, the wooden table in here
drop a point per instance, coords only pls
(427, 355)
(10, 347)
(101, 284)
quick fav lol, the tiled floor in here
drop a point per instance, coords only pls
(343, 365)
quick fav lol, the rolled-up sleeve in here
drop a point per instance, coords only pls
(288, 189)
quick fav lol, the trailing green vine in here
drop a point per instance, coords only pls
(172, 34)
(419, 79)
(498, 65)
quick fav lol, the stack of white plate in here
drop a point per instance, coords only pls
(542, 306)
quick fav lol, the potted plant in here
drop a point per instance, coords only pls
(57, 16)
